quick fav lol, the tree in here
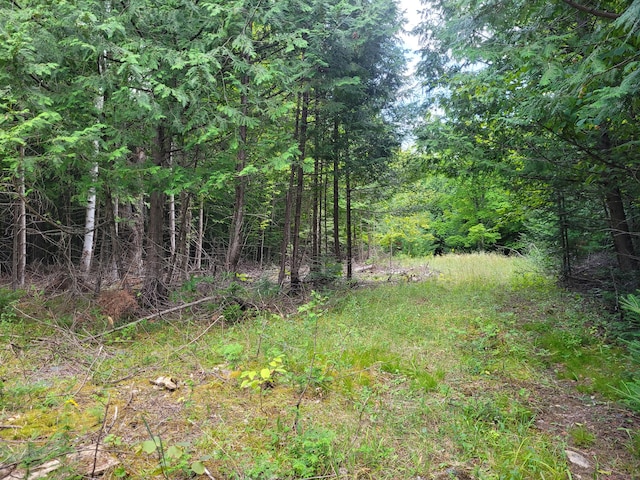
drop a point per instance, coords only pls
(539, 91)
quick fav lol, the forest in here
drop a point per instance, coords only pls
(146, 142)
(191, 189)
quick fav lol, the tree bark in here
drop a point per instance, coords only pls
(237, 222)
(564, 235)
(336, 191)
(349, 228)
(286, 228)
(90, 216)
(622, 240)
(20, 228)
(296, 256)
(154, 289)
(200, 238)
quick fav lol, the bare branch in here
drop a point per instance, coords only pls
(592, 11)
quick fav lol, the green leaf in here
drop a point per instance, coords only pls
(149, 446)
(265, 373)
(552, 73)
(174, 452)
(198, 468)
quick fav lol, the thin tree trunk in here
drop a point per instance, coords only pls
(200, 237)
(336, 191)
(138, 216)
(564, 235)
(622, 239)
(116, 266)
(155, 289)
(90, 220)
(172, 226)
(296, 257)
(172, 215)
(349, 229)
(317, 201)
(90, 216)
(183, 241)
(237, 222)
(288, 207)
(20, 229)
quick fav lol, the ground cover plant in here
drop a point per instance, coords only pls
(461, 366)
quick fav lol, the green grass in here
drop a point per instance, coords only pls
(440, 378)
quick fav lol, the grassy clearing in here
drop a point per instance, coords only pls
(485, 370)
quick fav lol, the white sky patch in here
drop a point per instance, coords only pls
(411, 9)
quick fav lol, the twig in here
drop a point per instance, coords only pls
(208, 473)
(148, 317)
(84, 382)
(199, 336)
(102, 430)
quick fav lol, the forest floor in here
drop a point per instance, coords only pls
(462, 367)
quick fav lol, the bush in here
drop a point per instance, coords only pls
(8, 299)
(631, 389)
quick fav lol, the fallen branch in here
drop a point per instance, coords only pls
(149, 317)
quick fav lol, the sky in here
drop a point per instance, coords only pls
(412, 15)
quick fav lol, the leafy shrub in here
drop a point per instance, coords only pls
(630, 390)
(8, 299)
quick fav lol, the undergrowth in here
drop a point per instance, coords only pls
(453, 377)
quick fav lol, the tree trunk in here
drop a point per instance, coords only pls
(200, 238)
(336, 191)
(622, 240)
(154, 289)
(172, 227)
(317, 199)
(349, 229)
(20, 228)
(237, 222)
(296, 257)
(183, 256)
(90, 215)
(90, 221)
(286, 228)
(138, 209)
(288, 207)
(564, 236)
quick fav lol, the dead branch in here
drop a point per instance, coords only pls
(149, 317)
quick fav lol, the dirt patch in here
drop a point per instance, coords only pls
(561, 409)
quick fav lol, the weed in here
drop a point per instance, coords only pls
(172, 460)
(232, 353)
(581, 436)
(634, 443)
(259, 380)
(429, 380)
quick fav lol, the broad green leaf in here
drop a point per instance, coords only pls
(174, 452)
(198, 468)
(149, 446)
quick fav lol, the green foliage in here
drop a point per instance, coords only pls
(581, 436)
(231, 352)
(174, 460)
(546, 112)
(407, 235)
(395, 372)
(630, 390)
(263, 378)
(8, 298)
